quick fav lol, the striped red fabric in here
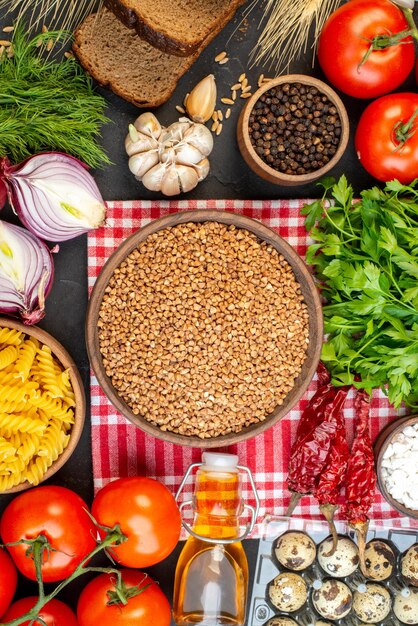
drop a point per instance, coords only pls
(121, 449)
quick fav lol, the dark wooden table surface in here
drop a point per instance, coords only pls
(229, 178)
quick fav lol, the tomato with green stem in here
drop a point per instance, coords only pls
(134, 598)
(54, 613)
(386, 138)
(60, 518)
(8, 580)
(366, 47)
(146, 512)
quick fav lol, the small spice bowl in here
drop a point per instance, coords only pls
(107, 283)
(401, 433)
(315, 147)
(61, 356)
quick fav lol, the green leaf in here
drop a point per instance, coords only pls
(338, 325)
(313, 213)
(369, 328)
(328, 352)
(372, 273)
(400, 311)
(387, 240)
(342, 191)
(395, 185)
(311, 252)
(366, 305)
(343, 378)
(410, 267)
(399, 388)
(333, 245)
(327, 182)
(341, 343)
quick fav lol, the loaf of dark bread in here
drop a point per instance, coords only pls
(177, 27)
(117, 58)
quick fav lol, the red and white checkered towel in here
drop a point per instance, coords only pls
(121, 449)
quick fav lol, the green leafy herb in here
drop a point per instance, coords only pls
(366, 257)
(47, 104)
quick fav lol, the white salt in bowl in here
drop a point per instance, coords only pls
(396, 455)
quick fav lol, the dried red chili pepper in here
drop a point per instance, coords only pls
(361, 476)
(316, 432)
(330, 481)
(311, 416)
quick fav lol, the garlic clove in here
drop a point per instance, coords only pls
(188, 178)
(140, 144)
(201, 102)
(133, 133)
(202, 168)
(168, 155)
(152, 180)
(186, 154)
(200, 137)
(176, 131)
(170, 184)
(148, 124)
(140, 163)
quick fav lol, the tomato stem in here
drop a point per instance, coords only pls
(408, 14)
(381, 42)
(37, 546)
(403, 131)
(121, 594)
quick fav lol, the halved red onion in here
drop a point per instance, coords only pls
(26, 273)
(54, 195)
(3, 194)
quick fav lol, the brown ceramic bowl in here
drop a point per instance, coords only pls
(308, 289)
(263, 169)
(80, 401)
(385, 437)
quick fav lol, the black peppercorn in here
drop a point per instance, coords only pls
(294, 128)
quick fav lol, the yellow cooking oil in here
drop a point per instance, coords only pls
(211, 577)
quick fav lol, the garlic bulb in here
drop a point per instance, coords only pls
(171, 160)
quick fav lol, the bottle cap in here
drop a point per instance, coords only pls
(220, 461)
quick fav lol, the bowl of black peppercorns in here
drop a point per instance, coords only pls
(293, 130)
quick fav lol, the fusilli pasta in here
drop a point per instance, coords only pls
(36, 409)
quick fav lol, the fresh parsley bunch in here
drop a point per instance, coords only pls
(365, 256)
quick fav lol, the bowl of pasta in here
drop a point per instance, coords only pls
(42, 406)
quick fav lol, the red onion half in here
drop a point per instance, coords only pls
(54, 195)
(26, 273)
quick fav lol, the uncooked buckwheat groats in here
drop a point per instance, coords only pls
(203, 329)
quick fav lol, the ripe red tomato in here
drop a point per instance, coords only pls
(147, 514)
(149, 608)
(54, 613)
(60, 515)
(345, 39)
(377, 138)
(8, 580)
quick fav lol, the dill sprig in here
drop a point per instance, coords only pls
(47, 104)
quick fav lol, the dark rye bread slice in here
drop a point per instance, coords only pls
(117, 58)
(177, 27)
